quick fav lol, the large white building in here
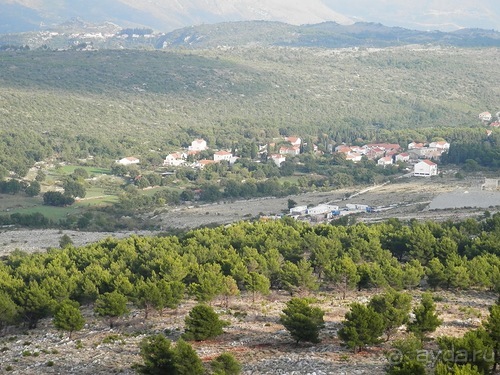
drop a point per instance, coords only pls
(222, 156)
(425, 168)
(198, 145)
(322, 209)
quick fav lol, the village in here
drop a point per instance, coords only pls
(418, 158)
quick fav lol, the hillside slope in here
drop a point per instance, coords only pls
(158, 98)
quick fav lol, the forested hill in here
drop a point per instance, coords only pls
(161, 97)
(322, 35)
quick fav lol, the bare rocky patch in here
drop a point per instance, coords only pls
(254, 336)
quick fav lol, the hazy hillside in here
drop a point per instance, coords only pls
(323, 35)
(158, 98)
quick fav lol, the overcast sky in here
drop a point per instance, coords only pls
(423, 14)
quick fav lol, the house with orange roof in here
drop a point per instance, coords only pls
(294, 150)
(404, 157)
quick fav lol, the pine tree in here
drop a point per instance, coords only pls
(186, 361)
(68, 317)
(158, 356)
(426, 318)
(203, 323)
(111, 305)
(394, 308)
(302, 321)
(363, 326)
(492, 326)
(226, 364)
(257, 283)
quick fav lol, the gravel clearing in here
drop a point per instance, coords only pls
(42, 239)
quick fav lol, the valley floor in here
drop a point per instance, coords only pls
(405, 198)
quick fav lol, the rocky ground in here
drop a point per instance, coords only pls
(254, 336)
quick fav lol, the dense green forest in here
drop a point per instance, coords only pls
(253, 257)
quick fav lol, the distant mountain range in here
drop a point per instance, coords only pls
(168, 15)
(324, 35)
(78, 34)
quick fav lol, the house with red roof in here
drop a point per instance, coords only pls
(294, 141)
(386, 160)
(425, 168)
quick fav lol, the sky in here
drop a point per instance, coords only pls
(443, 15)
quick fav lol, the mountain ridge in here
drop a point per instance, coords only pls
(79, 34)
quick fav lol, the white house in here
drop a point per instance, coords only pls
(294, 150)
(485, 116)
(354, 157)
(386, 160)
(222, 156)
(404, 157)
(298, 210)
(295, 141)
(414, 145)
(425, 168)
(440, 145)
(198, 145)
(175, 159)
(128, 161)
(200, 164)
(278, 159)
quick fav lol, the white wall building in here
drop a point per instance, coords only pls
(128, 161)
(425, 168)
(198, 145)
(278, 159)
(386, 160)
(485, 116)
(298, 210)
(175, 159)
(222, 156)
(440, 145)
(322, 209)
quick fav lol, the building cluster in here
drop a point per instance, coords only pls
(420, 155)
(487, 118)
(327, 211)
